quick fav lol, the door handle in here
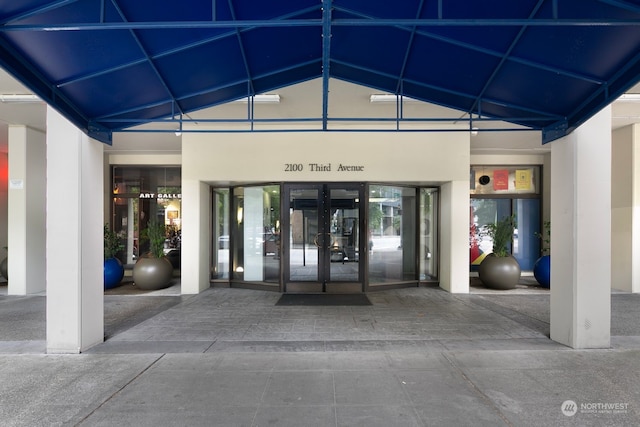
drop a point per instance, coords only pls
(323, 244)
(330, 240)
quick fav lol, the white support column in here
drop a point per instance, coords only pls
(26, 211)
(581, 235)
(625, 209)
(454, 238)
(196, 236)
(75, 288)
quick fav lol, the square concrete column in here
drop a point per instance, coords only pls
(454, 238)
(625, 209)
(26, 211)
(75, 283)
(196, 236)
(581, 235)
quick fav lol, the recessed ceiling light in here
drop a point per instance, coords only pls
(630, 97)
(266, 98)
(24, 98)
(389, 97)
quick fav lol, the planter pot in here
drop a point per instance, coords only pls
(113, 272)
(499, 272)
(152, 273)
(542, 271)
(4, 266)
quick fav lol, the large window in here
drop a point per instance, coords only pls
(392, 234)
(498, 192)
(141, 194)
(255, 240)
(399, 244)
(429, 234)
(221, 226)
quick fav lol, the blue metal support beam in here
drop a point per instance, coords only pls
(472, 47)
(504, 58)
(231, 33)
(622, 4)
(36, 11)
(123, 26)
(326, 63)
(149, 60)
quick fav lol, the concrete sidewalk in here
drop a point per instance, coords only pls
(231, 357)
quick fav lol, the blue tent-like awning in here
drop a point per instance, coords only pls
(108, 65)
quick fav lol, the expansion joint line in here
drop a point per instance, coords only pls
(477, 390)
(114, 394)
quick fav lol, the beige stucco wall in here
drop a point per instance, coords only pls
(625, 209)
(383, 156)
(425, 158)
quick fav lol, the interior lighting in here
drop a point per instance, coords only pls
(19, 98)
(266, 98)
(629, 97)
(389, 97)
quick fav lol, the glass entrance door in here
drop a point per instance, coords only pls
(322, 238)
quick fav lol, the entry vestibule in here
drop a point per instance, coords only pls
(344, 237)
(323, 245)
(418, 162)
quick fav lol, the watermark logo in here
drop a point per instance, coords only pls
(569, 408)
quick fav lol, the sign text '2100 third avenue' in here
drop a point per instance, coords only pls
(322, 167)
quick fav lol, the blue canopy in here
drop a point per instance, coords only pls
(108, 65)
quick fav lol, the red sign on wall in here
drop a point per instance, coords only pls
(501, 179)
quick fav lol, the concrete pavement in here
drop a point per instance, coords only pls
(231, 357)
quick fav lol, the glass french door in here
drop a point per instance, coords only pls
(322, 238)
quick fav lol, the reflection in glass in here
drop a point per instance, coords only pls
(142, 193)
(221, 231)
(304, 235)
(345, 235)
(392, 231)
(483, 212)
(428, 234)
(256, 233)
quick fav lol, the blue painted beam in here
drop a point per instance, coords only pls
(36, 11)
(504, 59)
(496, 54)
(150, 61)
(326, 50)
(81, 26)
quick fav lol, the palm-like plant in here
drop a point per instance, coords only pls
(501, 233)
(157, 234)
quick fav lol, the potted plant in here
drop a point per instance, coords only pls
(499, 269)
(113, 269)
(153, 270)
(542, 267)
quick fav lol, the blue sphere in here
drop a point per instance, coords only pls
(113, 272)
(542, 271)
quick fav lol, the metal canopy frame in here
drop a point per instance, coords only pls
(111, 65)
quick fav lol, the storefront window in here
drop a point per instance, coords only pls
(140, 194)
(255, 242)
(500, 191)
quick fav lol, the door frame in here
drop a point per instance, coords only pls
(324, 284)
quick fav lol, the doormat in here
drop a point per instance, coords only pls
(323, 299)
